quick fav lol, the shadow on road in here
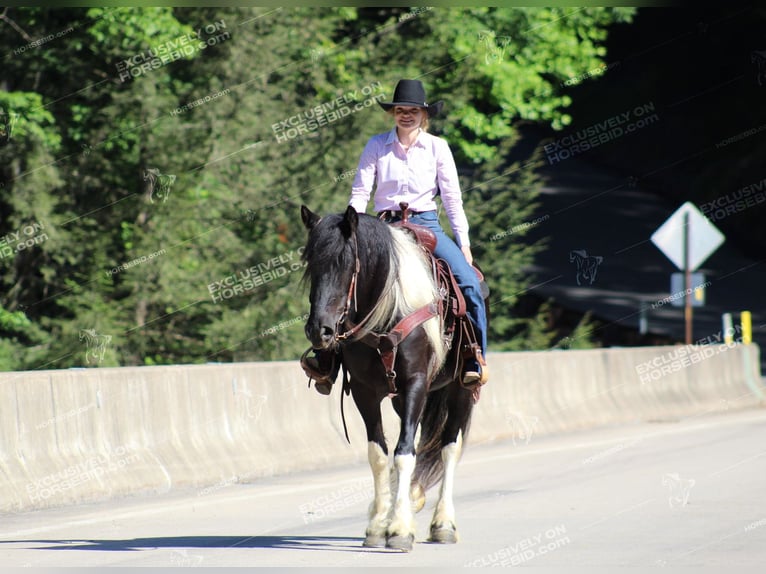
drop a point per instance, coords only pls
(324, 543)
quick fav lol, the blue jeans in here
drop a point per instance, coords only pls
(464, 273)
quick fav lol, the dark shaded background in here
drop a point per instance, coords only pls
(696, 66)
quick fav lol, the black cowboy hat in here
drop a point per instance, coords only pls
(411, 93)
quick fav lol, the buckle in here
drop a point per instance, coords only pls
(387, 215)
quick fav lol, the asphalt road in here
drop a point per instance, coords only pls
(685, 493)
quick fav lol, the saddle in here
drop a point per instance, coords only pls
(458, 332)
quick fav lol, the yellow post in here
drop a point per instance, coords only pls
(747, 327)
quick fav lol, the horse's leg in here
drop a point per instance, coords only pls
(460, 404)
(409, 404)
(377, 454)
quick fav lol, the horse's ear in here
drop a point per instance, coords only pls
(310, 219)
(351, 221)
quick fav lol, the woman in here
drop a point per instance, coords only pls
(407, 164)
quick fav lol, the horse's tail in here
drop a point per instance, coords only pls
(428, 466)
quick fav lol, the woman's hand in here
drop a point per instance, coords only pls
(467, 252)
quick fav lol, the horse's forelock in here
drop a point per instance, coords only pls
(327, 250)
(328, 243)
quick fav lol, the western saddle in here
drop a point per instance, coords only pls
(458, 331)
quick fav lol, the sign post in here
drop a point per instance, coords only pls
(687, 238)
(687, 282)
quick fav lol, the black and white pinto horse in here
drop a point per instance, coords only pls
(365, 276)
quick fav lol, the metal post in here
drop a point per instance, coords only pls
(728, 329)
(687, 282)
(643, 321)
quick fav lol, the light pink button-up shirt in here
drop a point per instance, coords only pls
(413, 176)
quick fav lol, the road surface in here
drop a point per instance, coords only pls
(683, 493)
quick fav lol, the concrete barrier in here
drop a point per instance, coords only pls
(81, 435)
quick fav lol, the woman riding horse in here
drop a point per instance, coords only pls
(407, 164)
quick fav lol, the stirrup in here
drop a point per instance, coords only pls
(323, 381)
(310, 366)
(472, 378)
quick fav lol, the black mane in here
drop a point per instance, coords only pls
(330, 250)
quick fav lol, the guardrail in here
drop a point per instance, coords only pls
(81, 435)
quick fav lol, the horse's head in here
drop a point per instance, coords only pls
(331, 258)
(575, 253)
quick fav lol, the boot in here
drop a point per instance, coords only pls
(475, 369)
(323, 367)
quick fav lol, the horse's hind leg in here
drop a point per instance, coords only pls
(377, 455)
(443, 524)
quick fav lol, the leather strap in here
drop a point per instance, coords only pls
(459, 308)
(387, 343)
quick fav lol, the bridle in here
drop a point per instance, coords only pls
(351, 329)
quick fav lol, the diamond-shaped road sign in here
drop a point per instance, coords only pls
(704, 237)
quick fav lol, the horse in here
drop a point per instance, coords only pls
(365, 277)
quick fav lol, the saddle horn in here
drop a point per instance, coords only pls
(403, 205)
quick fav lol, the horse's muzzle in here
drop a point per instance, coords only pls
(321, 337)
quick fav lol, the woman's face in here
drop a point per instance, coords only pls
(408, 118)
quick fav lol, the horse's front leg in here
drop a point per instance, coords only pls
(377, 455)
(375, 535)
(409, 404)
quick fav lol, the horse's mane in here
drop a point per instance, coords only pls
(387, 255)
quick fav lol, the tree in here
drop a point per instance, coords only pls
(165, 153)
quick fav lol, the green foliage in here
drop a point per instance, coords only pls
(137, 262)
(581, 336)
(18, 337)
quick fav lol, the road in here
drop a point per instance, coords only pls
(683, 493)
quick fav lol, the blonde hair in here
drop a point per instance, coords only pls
(423, 123)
